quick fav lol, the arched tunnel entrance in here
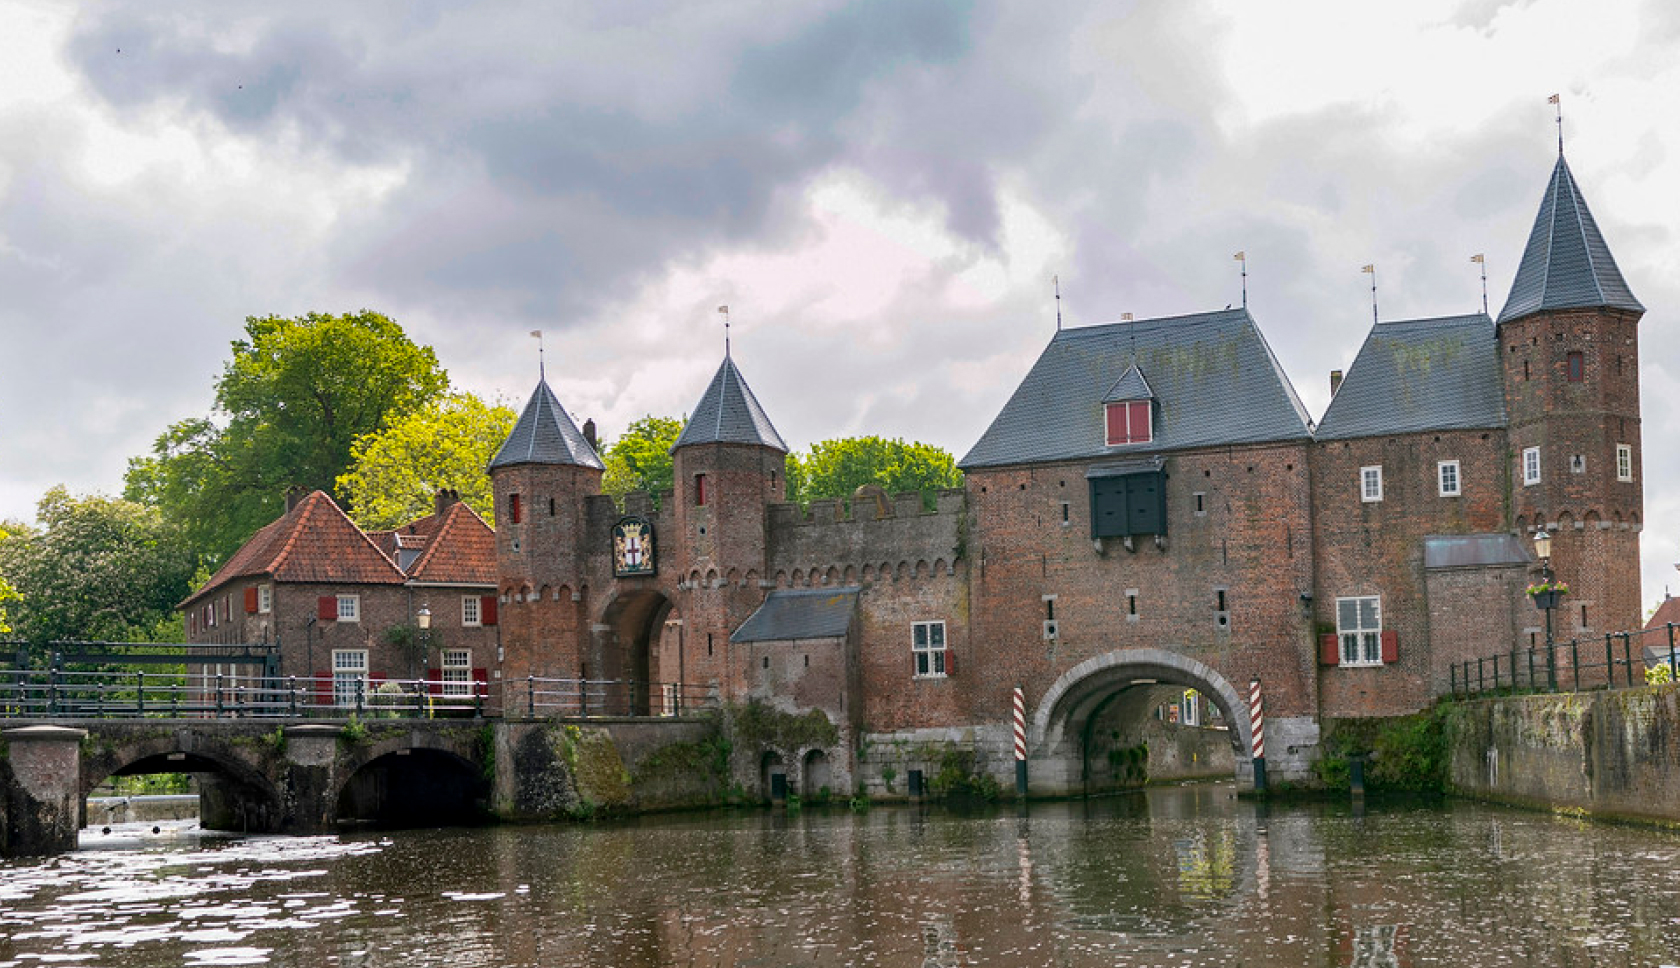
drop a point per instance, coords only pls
(638, 647)
(1086, 727)
(415, 788)
(230, 796)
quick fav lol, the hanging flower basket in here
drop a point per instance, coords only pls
(1546, 594)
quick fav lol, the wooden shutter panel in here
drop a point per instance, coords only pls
(434, 681)
(326, 608)
(1138, 420)
(950, 663)
(323, 688)
(487, 610)
(1390, 645)
(251, 600)
(1329, 649)
(481, 683)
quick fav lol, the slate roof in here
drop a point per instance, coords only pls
(1420, 374)
(805, 613)
(1566, 263)
(313, 542)
(1130, 386)
(460, 551)
(1213, 376)
(1474, 551)
(728, 413)
(545, 434)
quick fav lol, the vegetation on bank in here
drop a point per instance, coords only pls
(1402, 754)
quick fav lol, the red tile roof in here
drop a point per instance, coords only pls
(460, 550)
(313, 542)
(1668, 611)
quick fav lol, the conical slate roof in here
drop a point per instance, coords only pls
(728, 413)
(1566, 265)
(545, 435)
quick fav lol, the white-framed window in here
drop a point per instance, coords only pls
(1189, 708)
(927, 645)
(1359, 627)
(457, 672)
(265, 599)
(471, 617)
(1370, 484)
(350, 674)
(1446, 474)
(349, 608)
(1531, 465)
(1624, 462)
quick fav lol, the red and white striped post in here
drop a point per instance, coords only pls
(1257, 733)
(1020, 743)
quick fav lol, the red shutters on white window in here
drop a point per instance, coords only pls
(1128, 423)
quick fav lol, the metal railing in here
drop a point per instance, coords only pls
(61, 694)
(1616, 660)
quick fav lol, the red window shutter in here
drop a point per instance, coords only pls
(699, 489)
(950, 663)
(434, 681)
(1329, 649)
(1390, 645)
(1116, 419)
(487, 610)
(513, 507)
(251, 600)
(326, 608)
(1138, 418)
(481, 683)
(323, 688)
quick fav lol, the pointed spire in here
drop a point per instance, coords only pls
(545, 434)
(1567, 264)
(728, 413)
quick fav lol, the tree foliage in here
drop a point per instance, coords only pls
(292, 399)
(396, 470)
(7, 592)
(641, 459)
(837, 468)
(96, 568)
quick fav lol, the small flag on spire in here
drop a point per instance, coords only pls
(1125, 317)
(1477, 258)
(1553, 100)
(1372, 269)
(724, 310)
(537, 333)
(1241, 257)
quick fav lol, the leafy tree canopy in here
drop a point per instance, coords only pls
(97, 568)
(641, 459)
(7, 592)
(396, 470)
(292, 399)
(837, 468)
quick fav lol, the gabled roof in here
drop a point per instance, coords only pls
(1420, 374)
(1212, 374)
(460, 551)
(545, 434)
(806, 613)
(1567, 263)
(313, 542)
(728, 413)
(1130, 386)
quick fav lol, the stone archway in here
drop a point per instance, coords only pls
(633, 644)
(1057, 737)
(414, 787)
(233, 794)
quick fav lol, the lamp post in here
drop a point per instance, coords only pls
(423, 618)
(1546, 600)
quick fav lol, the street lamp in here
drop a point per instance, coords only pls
(423, 618)
(1547, 600)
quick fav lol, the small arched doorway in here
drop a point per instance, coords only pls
(638, 651)
(818, 779)
(772, 777)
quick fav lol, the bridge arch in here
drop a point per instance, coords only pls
(409, 782)
(235, 792)
(1058, 736)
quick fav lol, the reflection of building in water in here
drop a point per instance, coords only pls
(1207, 864)
(1377, 946)
(939, 945)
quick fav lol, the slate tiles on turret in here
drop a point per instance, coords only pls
(729, 413)
(1420, 374)
(545, 434)
(1567, 264)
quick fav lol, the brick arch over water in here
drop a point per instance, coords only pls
(1083, 689)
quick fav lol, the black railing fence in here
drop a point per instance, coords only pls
(29, 693)
(1615, 660)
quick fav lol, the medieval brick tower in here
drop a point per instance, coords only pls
(1569, 342)
(542, 477)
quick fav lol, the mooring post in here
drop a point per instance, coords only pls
(1020, 742)
(1257, 728)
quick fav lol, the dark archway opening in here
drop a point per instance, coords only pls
(772, 777)
(639, 655)
(228, 799)
(415, 788)
(818, 779)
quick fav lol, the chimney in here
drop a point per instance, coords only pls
(1335, 381)
(444, 498)
(589, 433)
(294, 494)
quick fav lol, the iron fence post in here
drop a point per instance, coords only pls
(291, 695)
(531, 696)
(1531, 668)
(360, 692)
(1627, 655)
(1673, 673)
(1481, 676)
(1452, 680)
(140, 693)
(1575, 661)
(583, 698)
(1609, 662)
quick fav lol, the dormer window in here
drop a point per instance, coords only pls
(1128, 422)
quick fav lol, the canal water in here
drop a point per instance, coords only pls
(1180, 876)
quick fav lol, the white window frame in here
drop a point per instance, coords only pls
(472, 612)
(1361, 642)
(1189, 710)
(457, 672)
(1448, 478)
(265, 599)
(928, 646)
(1530, 466)
(1624, 462)
(1371, 484)
(349, 608)
(349, 666)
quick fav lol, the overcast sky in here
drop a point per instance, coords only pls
(880, 191)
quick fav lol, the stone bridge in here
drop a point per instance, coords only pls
(261, 776)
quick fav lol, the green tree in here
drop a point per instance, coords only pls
(396, 470)
(7, 592)
(641, 459)
(97, 568)
(291, 401)
(837, 468)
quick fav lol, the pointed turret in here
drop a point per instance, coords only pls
(545, 434)
(1566, 264)
(728, 413)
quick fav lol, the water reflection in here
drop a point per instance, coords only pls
(1186, 876)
